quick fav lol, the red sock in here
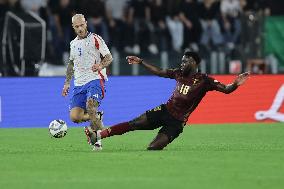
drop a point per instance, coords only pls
(118, 129)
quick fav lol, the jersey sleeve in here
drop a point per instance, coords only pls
(101, 45)
(171, 73)
(71, 56)
(213, 84)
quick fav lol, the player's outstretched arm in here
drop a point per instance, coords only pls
(153, 69)
(69, 75)
(240, 80)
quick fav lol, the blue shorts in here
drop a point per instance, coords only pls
(94, 89)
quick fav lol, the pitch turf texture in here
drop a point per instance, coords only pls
(205, 156)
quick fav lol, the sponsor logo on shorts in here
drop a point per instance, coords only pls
(96, 95)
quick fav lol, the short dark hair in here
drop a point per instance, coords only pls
(194, 55)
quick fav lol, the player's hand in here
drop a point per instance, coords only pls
(97, 67)
(65, 89)
(133, 60)
(242, 78)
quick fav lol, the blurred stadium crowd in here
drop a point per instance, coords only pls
(159, 30)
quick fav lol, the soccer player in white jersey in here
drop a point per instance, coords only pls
(89, 57)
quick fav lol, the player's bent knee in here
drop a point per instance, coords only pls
(76, 118)
(153, 147)
(159, 142)
(157, 145)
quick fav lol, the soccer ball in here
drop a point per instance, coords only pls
(58, 128)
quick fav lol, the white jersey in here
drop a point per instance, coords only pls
(85, 53)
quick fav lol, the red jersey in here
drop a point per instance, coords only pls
(188, 92)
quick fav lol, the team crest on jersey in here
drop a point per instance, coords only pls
(195, 81)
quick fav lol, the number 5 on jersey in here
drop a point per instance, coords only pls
(184, 89)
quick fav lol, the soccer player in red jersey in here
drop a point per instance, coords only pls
(191, 87)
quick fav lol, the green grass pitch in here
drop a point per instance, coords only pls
(232, 156)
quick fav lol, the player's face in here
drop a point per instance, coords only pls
(80, 27)
(187, 64)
